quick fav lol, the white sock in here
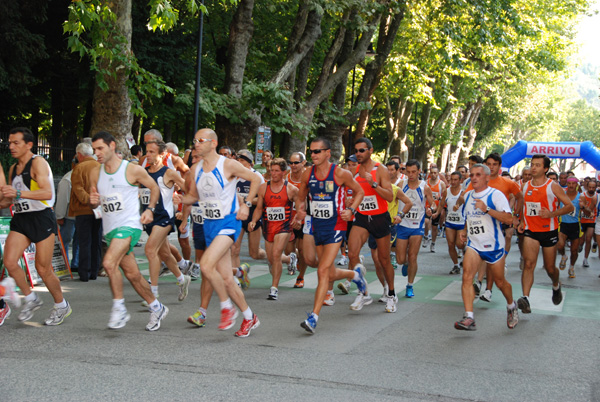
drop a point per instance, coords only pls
(409, 284)
(556, 287)
(155, 305)
(182, 263)
(119, 303)
(511, 306)
(180, 279)
(31, 297)
(154, 290)
(316, 317)
(226, 304)
(202, 310)
(356, 276)
(62, 304)
(238, 273)
(247, 314)
(470, 314)
(330, 292)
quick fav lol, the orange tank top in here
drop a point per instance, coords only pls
(435, 192)
(372, 203)
(585, 218)
(536, 198)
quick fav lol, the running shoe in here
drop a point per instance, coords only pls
(523, 304)
(184, 287)
(163, 269)
(586, 264)
(486, 296)
(361, 282)
(557, 295)
(521, 264)
(4, 313)
(299, 283)
(594, 247)
(455, 270)
(342, 261)
(228, 316)
(245, 279)
(156, 317)
(247, 326)
(29, 308)
(425, 242)
(477, 287)
(58, 315)
(198, 319)
(466, 324)
(563, 262)
(360, 301)
(195, 272)
(118, 318)
(10, 293)
(361, 258)
(512, 317)
(432, 248)
(581, 247)
(404, 269)
(571, 272)
(391, 304)
(292, 264)
(345, 287)
(410, 292)
(329, 299)
(384, 296)
(459, 252)
(273, 293)
(310, 324)
(188, 268)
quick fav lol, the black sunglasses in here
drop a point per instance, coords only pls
(295, 163)
(361, 150)
(318, 151)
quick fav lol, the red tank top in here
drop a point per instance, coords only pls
(585, 218)
(536, 198)
(277, 206)
(372, 203)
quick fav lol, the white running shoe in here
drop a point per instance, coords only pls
(273, 293)
(586, 264)
(156, 317)
(58, 315)
(118, 318)
(486, 296)
(345, 286)
(292, 264)
(384, 296)
(342, 261)
(360, 301)
(390, 306)
(184, 287)
(10, 293)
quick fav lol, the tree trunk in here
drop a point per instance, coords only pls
(423, 142)
(112, 108)
(470, 132)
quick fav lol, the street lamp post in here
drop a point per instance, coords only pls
(198, 69)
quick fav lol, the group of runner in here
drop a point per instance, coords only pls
(304, 214)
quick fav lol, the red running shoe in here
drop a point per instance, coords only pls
(247, 326)
(228, 316)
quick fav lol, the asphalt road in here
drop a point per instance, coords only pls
(414, 354)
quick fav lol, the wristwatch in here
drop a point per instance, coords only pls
(352, 210)
(248, 203)
(401, 215)
(487, 211)
(151, 209)
(374, 184)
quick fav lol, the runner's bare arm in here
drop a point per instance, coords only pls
(235, 169)
(39, 172)
(302, 193)
(562, 197)
(259, 206)
(94, 196)
(174, 178)
(2, 184)
(345, 178)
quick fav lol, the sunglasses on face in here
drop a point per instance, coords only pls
(361, 150)
(318, 151)
(200, 140)
(402, 168)
(294, 163)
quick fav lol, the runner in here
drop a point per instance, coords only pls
(215, 178)
(455, 221)
(294, 177)
(8, 292)
(570, 228)
(157, 246)
(588, 218)
(275, 202)
(115, 187)
(438, 191)
(540, 227)
(484, 209)
(324, 182)
(31, 190)
(411, 229)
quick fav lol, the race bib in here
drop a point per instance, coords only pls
(213, 210)
(321, 209)
(412, 214)
(533, 208)
(368, 203)
(275, 214)
(197, 215)
(112, 203)
(144, 196)
(476, 227)
(21, 205)
(453, 217)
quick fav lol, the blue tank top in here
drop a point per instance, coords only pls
(160, 211)
(327, 199)
(573, 216)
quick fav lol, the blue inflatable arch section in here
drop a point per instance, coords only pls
(562, 150)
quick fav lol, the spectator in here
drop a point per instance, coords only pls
(66, 223)
(136, 154)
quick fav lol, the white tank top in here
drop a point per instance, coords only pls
(119, 200)
(217, 195)
(415, 218)
(25, 182)
(452, 216)
(484, 232)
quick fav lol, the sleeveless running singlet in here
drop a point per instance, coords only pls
(119, 200)
(452, 216)
(435, 192)
(372, 203)
(484, 232)
(164, 207)
(573, 216)
(327, 201)
(25, 182)
(536, 198)
(415, 218)
(277, 210)
(585, 218)
(217, 195)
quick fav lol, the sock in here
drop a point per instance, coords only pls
(62, 304)
(316, 317)
(226, 304)
(556, 287)
(119, 303)
(202, 310)
(180, 279)
(470, 314)
(247, 314)
(330, 292)
(31, 297)
(239, 274)
(456, 266)
(356, 276)
(155, 305)
(154, 290)
(409, 284)
(511, 306)
(526, 298)
(182, 263)
(391, 293)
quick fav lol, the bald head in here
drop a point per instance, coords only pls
(208, 133)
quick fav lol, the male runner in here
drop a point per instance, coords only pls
(31, 191)
(540, 227)
(324, 182)
(275, 203)
(215, 177)
(438, 192)
(411, 228)
(484, 209)
(455, 221)
(294, 177)
(588, 218)
(115, 187)
(570, 228)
